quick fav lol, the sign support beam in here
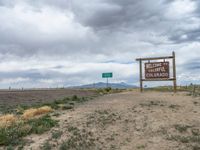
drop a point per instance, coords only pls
(174, 71)
(141, 83)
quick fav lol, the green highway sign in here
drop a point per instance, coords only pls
(107, 75)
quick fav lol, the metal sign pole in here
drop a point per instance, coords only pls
(107, 83)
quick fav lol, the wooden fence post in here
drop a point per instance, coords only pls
(194, 89)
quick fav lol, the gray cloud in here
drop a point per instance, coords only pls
(193, 65)
(186, 36)
(98, 31)
(120, 14)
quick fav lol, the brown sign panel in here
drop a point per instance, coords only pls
(154, 70)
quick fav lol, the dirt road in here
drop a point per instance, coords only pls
(127, 121)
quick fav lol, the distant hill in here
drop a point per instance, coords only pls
(121, 85)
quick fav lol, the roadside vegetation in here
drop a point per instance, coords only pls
(64, 103)
(169, 88)
(17, 122)
(193, 90)
(15, 128)
(109, 90)
(187, 135)
(35, 119)
(82, 136)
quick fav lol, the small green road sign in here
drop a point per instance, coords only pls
(107, 75)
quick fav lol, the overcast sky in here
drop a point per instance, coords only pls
(50, 43)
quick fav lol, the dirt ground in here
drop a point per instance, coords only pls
(15, 97)
(127, 121)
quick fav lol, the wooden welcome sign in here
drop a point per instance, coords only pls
(157, 70)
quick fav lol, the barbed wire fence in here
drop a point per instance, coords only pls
(195, 90)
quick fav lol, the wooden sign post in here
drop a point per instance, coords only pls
(157, 71)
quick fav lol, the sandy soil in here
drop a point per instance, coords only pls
(127, 121)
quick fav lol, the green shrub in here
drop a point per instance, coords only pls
(79, 140)
(56, 134)
(46, 146)
(108, 89)
(181, 128)
(13, 134)
(74, 98)
(10, 147)
(41, 125)
(66, 107)
(63, 146)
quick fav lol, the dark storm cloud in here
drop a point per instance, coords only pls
(108, 17)
(121, 13)
(94, 31)
(137, 16)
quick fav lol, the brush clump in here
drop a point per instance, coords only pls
(7, 120)
(33, 112)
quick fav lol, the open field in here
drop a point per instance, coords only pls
(37, 96)
(13, 98)
(125, 121)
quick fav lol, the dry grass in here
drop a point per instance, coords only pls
(33, 112)
(7, 120)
